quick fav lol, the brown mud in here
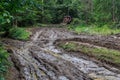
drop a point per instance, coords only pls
(39, 59)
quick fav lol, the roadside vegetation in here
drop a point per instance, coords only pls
(19, 33)
(100, 53)
(95, 30)
(4, 62)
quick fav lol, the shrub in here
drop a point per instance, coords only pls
(77, 21)
(3, 62)
(19, 33)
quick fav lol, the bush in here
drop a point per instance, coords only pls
(77, 21)
(3, 62)
(19, 33)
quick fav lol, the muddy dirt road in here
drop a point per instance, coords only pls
(39, 59)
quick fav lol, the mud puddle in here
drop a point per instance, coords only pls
(38, 59)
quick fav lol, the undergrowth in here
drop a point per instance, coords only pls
(4, 63)
(94, 29)
(19, 33)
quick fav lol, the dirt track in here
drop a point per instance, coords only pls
(39, 59)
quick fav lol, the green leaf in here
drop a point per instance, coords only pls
(5, 14)
(8, 20)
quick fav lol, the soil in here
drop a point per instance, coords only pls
(39, 59)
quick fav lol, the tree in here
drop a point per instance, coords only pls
(13, 12)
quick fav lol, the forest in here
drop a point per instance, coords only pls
(97, 20)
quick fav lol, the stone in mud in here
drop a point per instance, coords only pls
(63, 78)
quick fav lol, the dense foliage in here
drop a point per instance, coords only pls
(3, 62)
(16, 12)
(29, 12)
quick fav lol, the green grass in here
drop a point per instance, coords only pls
(19, 33)
(104, 30)
(104, 54)
(4, 63)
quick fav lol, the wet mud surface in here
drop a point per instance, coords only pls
(39, 59)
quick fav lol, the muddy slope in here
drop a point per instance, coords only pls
(38, 59)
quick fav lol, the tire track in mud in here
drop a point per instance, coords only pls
(111, 42)
(38, 59)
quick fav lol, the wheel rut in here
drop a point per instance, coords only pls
(39, 59)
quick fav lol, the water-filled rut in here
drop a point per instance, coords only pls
(39, 59)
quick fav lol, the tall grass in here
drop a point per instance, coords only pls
(93, 29)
